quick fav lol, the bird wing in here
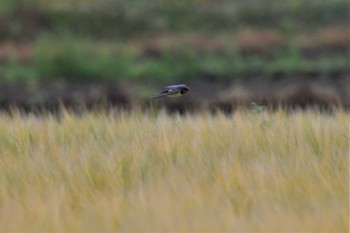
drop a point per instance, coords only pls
(173, 90)
(178, 86)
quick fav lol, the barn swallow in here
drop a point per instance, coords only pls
(173, 91)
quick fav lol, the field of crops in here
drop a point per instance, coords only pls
(135, 171)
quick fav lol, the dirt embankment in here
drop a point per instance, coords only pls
(203, 95)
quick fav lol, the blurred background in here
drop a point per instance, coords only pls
(119, 52)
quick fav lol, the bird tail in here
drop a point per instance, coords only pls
(158, 96)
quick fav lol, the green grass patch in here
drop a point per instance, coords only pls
(79, 60)
(85, 60)
(13, 71)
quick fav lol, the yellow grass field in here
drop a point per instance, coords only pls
(157, 172)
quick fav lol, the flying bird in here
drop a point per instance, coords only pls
(173, 91)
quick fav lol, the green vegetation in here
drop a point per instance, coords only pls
(83, 60)
(129, 18)
(13, 71)
(154, 172)
(74, 60)
(171, 41)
